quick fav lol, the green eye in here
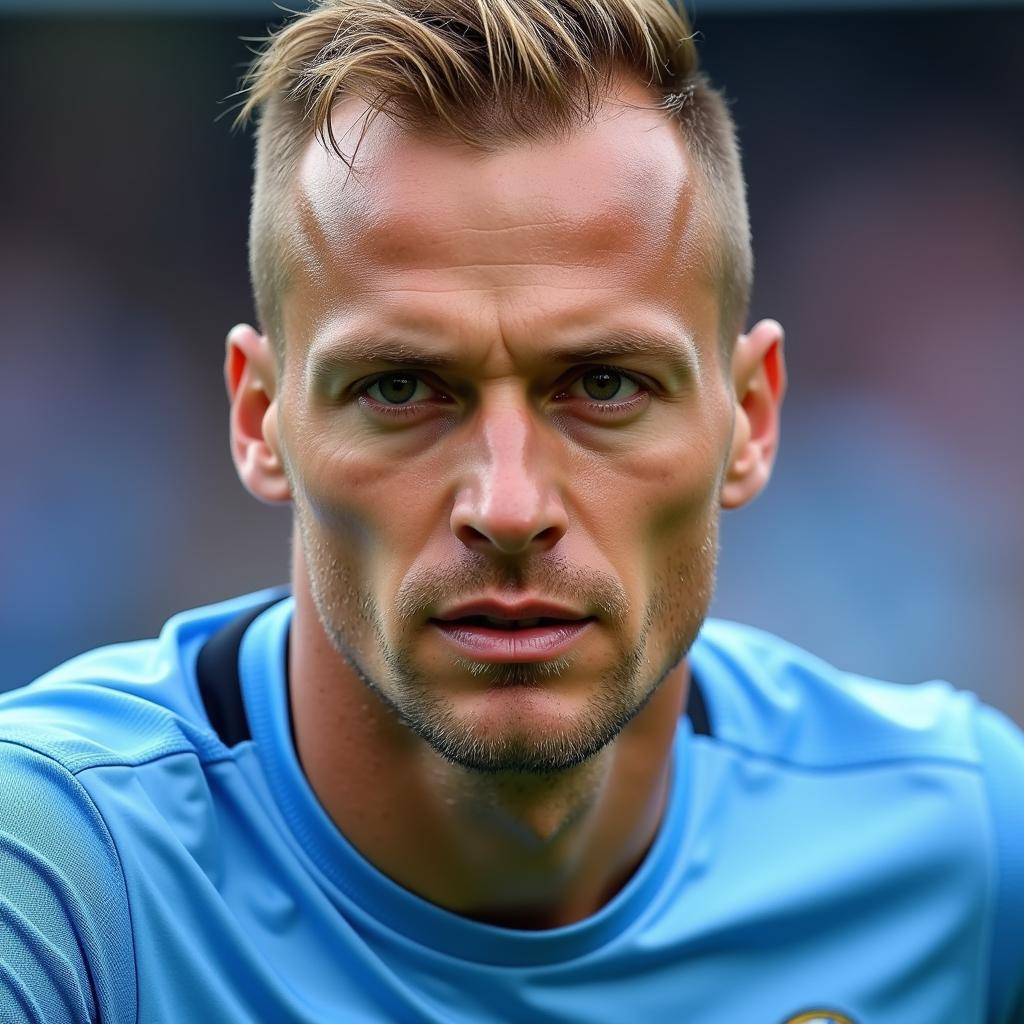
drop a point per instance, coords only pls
(603, 384)
(395, 389)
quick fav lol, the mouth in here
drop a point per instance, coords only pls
(492, 638)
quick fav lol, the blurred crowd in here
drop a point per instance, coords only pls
(885, 163)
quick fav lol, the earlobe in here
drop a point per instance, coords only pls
(759, 381)
(250, 374)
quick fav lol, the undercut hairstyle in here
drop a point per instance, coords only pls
(491, 74)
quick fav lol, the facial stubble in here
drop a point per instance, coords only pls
(351, 619)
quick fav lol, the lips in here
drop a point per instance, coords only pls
(523, 632)
(497, 622)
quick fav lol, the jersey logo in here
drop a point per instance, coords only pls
(820, 1017)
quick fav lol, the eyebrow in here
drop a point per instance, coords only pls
(375, 350)
(679, 353)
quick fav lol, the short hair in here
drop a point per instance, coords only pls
(489, 73)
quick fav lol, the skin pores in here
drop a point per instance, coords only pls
(451, 317)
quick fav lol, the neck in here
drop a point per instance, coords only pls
(512, 849)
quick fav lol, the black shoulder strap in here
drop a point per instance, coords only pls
(219, 682)
(697, 709)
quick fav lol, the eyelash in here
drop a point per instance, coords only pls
(610, 408)
(601, 408)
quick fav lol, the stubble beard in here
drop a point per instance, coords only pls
(348, 612)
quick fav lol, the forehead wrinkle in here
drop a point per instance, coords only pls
(381, 214)
(372, 236)
(404, 240)
(488, 288)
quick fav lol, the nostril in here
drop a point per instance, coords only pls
(548, 536)
(507, 527)
(508, 542)
(470, 536)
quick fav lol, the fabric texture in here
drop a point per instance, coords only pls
(833, 847)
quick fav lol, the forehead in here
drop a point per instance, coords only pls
(621, 184)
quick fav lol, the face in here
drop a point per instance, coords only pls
(506, 426)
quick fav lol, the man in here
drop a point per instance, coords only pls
(487, 761)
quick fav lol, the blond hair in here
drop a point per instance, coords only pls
(489, 73)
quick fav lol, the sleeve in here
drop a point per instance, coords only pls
(1002, 749)
(66, 952)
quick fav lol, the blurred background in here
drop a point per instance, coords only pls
(884, 149)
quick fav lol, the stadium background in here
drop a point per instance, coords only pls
(885, 157)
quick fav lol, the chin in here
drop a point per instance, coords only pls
(522, 722)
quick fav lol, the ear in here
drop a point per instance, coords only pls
(759, 382)
(250, 373)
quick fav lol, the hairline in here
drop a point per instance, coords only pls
(712, 245)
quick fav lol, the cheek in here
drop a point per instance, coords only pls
(665, 490)
(361, 509)
(346, 488)
(683, 501)
(654, 516)
(680, 544)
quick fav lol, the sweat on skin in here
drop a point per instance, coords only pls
(492, 287)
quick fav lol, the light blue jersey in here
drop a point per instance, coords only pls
(834, 849)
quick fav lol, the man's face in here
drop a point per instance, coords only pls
(502, 398)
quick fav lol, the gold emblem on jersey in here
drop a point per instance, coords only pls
(819, 1017)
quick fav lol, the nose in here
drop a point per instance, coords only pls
(509, 502)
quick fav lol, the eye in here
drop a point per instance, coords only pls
(399, 389)
(604, 384)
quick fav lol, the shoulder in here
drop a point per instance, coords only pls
(72, 749)
(127, 703)
(66, 945)
(771, 698)
(768, 700)
(1002, 748)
